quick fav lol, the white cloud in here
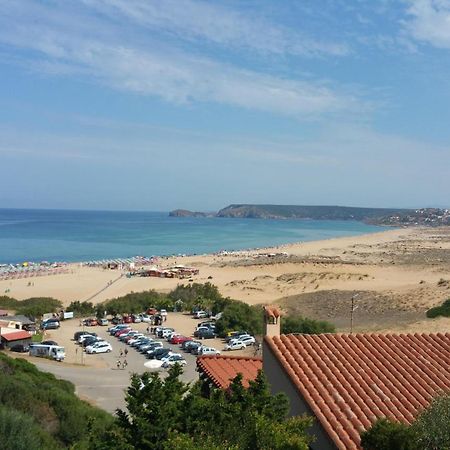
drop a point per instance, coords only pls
(430, 22)
(210, 21)
(56, 44)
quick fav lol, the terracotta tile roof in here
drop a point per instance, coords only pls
(16, 335)
(351, 380)
(272, 311)
(222, 369)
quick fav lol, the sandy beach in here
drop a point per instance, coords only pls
(397, 274)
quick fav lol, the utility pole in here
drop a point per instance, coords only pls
(353, 309)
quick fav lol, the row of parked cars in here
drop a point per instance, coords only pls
(91, 342)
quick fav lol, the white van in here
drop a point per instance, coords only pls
(53, 351)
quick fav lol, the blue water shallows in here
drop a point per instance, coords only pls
(54, 235)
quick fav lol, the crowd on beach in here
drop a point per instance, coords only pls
(31, 269)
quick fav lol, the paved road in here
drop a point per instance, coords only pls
(105, 386)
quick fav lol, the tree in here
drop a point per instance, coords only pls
(299, 324)
(171, 415)
(240, 316)
(388, 435)
(432, 426)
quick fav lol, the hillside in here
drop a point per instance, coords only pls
(307, 212)
(38, 411)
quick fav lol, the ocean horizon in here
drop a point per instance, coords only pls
(86, 235)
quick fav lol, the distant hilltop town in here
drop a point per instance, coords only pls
(376, 216)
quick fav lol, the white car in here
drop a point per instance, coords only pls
(99, 347)
(167, 331)
(235, 345)
(145, 318)
(208, 351)
(247, 340)
(171, 360)
(201, 314)
(135, 338)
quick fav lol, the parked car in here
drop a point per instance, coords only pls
(100, 347)
(205, 333)
(152, 311)
(118, 327)
(136, 318)
(154, 353)
(166, 332)
(200, 314)
(186, 345)
(235, 345)
(145, 318)
(247, 339)
(116, 320)
(88, 342)
(103, 322)
(235, 334)
(208, 351)
(179, 339)
(150, 346)
(50, 325)
(90, 322)
(20, 348)
(49, 343)
(119, 333)
(84, 336)
(127, 319)
(193, 347)
(174, 359)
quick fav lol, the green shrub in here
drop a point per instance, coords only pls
(81, 308)
(443, 310)
(299, 324)
(135, 303)
(388, 435)
(32, 307)
(240, 316)
(51, 406)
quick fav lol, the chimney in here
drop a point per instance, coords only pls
(272, 321)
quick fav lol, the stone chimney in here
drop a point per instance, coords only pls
(272, 321)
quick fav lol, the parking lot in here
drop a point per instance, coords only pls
(97, 378)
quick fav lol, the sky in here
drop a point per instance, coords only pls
(164, 104)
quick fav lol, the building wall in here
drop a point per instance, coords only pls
(280, 382)
(19, 341)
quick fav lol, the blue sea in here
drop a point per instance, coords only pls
(62, 235)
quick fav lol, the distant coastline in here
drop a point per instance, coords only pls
(374, 216)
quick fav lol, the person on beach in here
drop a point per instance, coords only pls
(121, 354)
(118, 364)
(124, 364)
(126, 352)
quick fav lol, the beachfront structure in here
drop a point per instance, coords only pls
(348, 381)
(11, 336)
(19, 322)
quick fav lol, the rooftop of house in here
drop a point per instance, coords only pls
(350, 380)
(222, 369)
(15, 335)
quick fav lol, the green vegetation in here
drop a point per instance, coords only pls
(36, 337)
(443, 310)
(299, 324)
(238, 316)
(430, 431)
(168, 415)
(135, 303)
(81, 309)
(32, 307)
(39, 411)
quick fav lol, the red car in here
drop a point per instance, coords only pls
(127, 319)
(122, 331)
(179, 339)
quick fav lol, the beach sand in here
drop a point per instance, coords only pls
(397, 273)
